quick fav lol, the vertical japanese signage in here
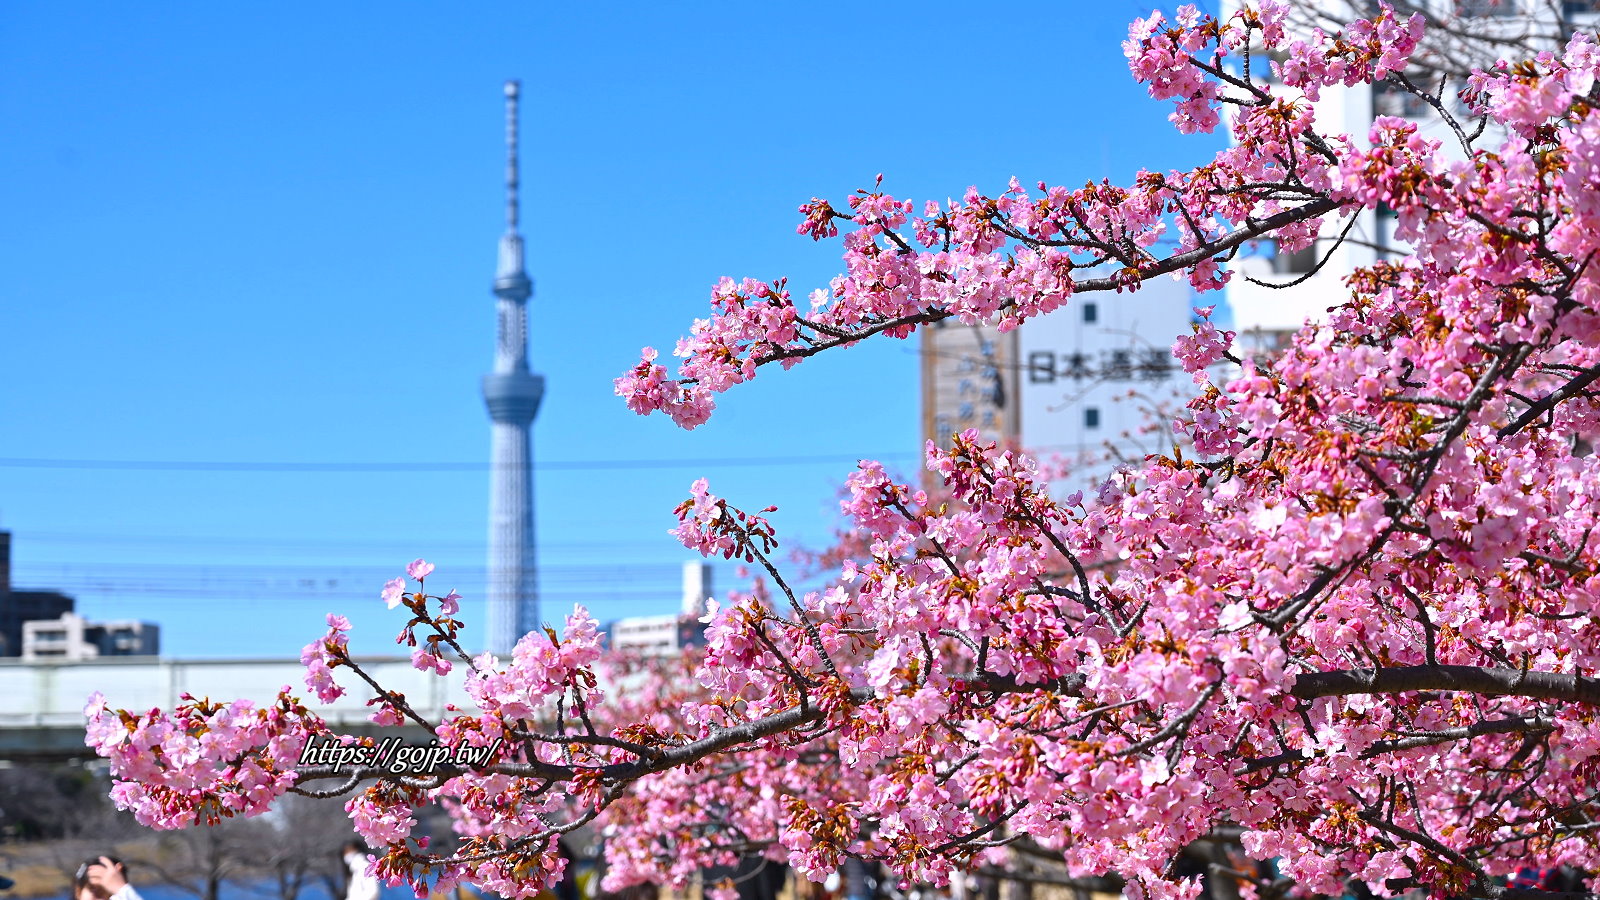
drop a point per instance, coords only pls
(969, 380)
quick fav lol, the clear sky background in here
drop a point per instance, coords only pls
(246, 256)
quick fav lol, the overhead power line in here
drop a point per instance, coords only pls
(147, 465)
(287, 583)
(179, 465)
(335, 544)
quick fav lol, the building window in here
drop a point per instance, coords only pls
(1487, 9)
(1298, 262)
(1091, 417)
(1390, 99)
(1091, 313)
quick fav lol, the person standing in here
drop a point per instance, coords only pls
(103, 878)
(363, 885)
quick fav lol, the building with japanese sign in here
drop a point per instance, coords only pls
(1089, 386)
(1098, 384)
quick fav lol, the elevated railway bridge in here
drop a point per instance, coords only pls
(41, 703)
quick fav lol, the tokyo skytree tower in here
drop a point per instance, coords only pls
(512, 393)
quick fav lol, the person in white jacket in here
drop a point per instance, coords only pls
(362, 885)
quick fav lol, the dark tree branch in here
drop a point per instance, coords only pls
(1565, 687)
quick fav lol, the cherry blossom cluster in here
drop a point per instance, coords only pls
(1393, 495)
(203, 761)
(542, 667)
(708, 525)
(1006, 258)
(1354, 614)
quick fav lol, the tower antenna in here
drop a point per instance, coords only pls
(513, 90)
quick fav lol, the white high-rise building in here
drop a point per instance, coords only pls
(668, 635)
(72, 638)
(512, 393)
(1465, 34)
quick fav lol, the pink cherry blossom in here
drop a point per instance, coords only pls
(1348, 613)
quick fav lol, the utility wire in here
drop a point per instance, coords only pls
(288, 570)
(331, 544)
(287, 583)
(27, 462)
(17, 462)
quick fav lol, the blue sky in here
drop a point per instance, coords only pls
(266, 236)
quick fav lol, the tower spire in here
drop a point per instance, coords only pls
(511, 280)
(513, 90)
